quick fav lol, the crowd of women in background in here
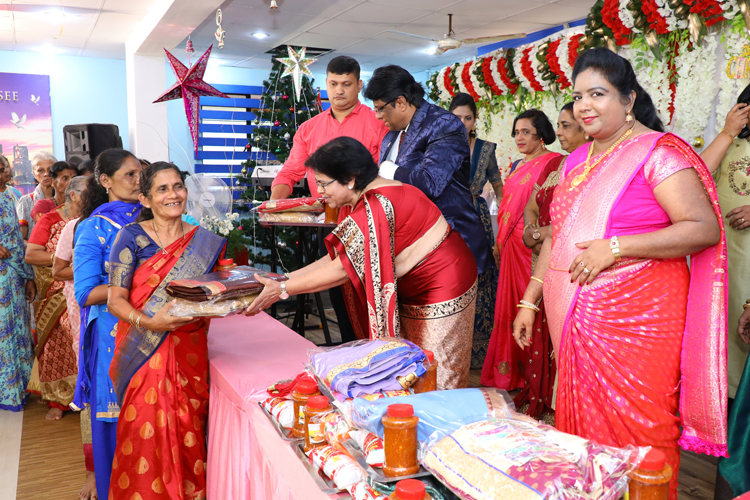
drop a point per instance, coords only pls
(592, 316)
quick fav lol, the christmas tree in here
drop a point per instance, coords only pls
(277, 120)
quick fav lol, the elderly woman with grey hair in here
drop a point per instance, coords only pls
(40, 167)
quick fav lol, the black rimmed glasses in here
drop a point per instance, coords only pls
(324, 185)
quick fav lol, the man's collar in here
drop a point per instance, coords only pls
(355, 110)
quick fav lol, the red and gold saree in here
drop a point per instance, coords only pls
(161, 381)
(503, 367)
(647, 337)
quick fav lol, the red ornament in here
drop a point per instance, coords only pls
(291, 109)
(285, 97)
(276, 123)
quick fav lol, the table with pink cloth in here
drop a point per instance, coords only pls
(246, 457)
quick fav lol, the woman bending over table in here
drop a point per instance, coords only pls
(160, 363)
(411, 275)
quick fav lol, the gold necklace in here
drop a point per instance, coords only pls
(161, 245)
(588, 168)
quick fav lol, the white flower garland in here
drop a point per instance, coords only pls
(499, 133)
(673, 22)
(480, 91)
(524, 82)
(730, 88)
(445, 96)
(654, 78)
(730, 8)
(497, 79)
(696, 89)
(627, 17)
(460, 79)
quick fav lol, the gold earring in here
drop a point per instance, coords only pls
(628, 117)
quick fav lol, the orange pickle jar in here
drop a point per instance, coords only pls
(302, 391)
(410, 489)
(225, 265)
(315, 408)
(332, 215)
(650, 481)
(428, 381)
(400, 441)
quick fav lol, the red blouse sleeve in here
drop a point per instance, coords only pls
(42, 230)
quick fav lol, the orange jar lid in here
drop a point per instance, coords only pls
(226, 262)
(317, 402)
(654, 460)
(306, 387)
(430, 356)
(400, 410)
(410, 489)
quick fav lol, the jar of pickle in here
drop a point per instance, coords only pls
(225, 265)
(302, 391)
(314, 410)
(650, 481)
(410, 489)
(428, 381)
(400, 441)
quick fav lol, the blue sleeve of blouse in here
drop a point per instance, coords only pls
(88, 260)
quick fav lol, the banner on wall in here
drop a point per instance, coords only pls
(25, 123)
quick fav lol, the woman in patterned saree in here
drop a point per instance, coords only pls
(628, 210)
(538, 390)
(412, 276)
(16, 284)
(58, 368)
(109, 203)
(505, 364)
(483, 169)
(160, 364)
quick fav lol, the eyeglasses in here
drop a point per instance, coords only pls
(381, 109)
(324, 185)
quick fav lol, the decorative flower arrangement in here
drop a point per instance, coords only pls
(611, 17)
(506, 69)
(220, 227)
(473, 85)
(443, 92)
(554, 64)
(533, 80)
(492, 76)
(655, 19)
(626, 16)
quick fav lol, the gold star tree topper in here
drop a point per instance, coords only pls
(296, 66)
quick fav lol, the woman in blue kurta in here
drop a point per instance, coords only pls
(110, 202)
(16, 277)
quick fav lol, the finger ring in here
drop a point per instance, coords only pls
(585, 270)
(581, 264)
(742, 220)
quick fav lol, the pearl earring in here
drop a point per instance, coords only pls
(351, 187)
(107, 190)
(628, 117)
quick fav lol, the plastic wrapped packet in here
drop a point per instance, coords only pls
(439, 412)
(368, 366)
(290, 217)
(335, 429)
(292, 205)
(338, 466)
(363, 491)
(504, 458)
(371, 446)
(280, 409)
(220, 308)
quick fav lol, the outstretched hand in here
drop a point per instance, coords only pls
(268, 297)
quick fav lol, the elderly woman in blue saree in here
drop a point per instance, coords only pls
(484, 169)
(110, 202)
(16, 284)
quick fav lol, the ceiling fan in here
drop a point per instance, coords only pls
(449, 41)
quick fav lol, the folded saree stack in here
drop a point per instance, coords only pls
(291, 210)
(219, 293)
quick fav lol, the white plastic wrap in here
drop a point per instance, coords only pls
(371, 446)
(521, 459)
(363, 491)
(218, 308)
(338, 466)
(280, 409)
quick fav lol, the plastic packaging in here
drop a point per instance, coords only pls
(335, 429)
(292, 205)
(290, 217)
(368, 366)
(338, 466)
(217, 308)
(363, 491)
(302, 391)
(315, 409)
(400, 441)
(650, 481)
(504, 458)
(428, 381)
(410, 489)
(282, 410)
(371, 446)
(439, 412)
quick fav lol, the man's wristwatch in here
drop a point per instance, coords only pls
(283, 295)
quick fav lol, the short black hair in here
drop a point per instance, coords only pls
(619, 73)
(540, 122)
(463, 99)
(568, 107)
(58, 167)
(390, 82)
(344, 159)
(343, 65)
(148, 174)
(86, 166)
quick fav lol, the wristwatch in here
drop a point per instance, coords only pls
(283, 295)
(614, 245)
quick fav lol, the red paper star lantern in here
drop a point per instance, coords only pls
(190, 86)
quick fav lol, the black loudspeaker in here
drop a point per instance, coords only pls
(84, 142)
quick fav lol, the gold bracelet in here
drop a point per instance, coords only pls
(130, 317)
(537, 279)
(51, 259)
(138, 322)
(528, 307)
(733, 137)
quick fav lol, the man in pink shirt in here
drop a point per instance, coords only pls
(346, 117)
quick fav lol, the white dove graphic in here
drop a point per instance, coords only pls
(35, 99)
(16, 121)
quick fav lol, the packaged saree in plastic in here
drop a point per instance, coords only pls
(220, 285)
(292, 205)
(522, 460)
(369, 366)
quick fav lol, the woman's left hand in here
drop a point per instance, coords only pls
(739, 218)
(595, 258)
(30, 291)
(268, 297)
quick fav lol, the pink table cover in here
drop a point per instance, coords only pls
(246, 457)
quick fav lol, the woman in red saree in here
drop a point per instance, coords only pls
(637, 336)
(160, 364)
(58, 364)
(505, 366)
(412, 276)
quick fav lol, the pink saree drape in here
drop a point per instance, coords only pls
(641, 336)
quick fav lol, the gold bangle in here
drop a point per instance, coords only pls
(537, 279)
(52, 259)
(527, 307)
(130, 317)
(733, 137)
(138, 322)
